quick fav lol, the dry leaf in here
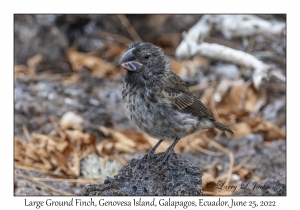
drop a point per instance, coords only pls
(21, 69)
(96, 65)
(244, 174)
(178, 67)
(188, 67)
(123, 148)
(118, 136)
(241, 129)
(69, 80)
(237, 106)
(236, 97)
(58, 155)
(32, 63)
(270, 131)
(114, 50)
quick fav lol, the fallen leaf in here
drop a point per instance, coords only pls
(96, 65)
(241, 129)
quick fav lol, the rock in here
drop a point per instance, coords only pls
(179, 178)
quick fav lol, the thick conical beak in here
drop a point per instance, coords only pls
(128, 61)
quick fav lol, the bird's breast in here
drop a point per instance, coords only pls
(154, 117)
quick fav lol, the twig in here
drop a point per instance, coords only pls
(43, 184)
(200, 86)
(213, 109)
(116, 37)
(231, 158)
(129, 28)
(67, 180)
(230, 154)
(216, 193)
(235, 168)
(28, 136)
(244, 95)
(250, 45)
(56, 127)
(35, 169)
(197, 87)
(207, 151)
(55, 179)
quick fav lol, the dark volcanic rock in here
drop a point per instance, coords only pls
(179, 178)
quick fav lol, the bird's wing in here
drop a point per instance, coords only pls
(180, 99)
(198, 109)
(178, 94)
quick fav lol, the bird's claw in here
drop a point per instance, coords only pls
(166, 157)
(149, 156)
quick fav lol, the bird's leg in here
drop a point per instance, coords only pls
(149, 154)
(168, 154)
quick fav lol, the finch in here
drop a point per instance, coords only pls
(158, 101)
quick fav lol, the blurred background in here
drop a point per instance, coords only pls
(70, 126)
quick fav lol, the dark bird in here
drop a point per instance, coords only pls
(158, 101)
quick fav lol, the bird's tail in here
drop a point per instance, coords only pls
(222, 127)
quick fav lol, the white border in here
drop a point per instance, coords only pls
(153, 6)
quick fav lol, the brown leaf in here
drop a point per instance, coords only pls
(59, 155)
(47, 164)
(235, 97)
(69, 80)
(241, 129)
(188, 68)
(62, 146)
(96, 65)
(74, 166)
(21, 69)
(238, 106)
(178, 67)
(114, 50)
(59, 159)
(270, 131)
(123, 147)
(118, 137)
(30, 152)
(244, 173)
(108, 147)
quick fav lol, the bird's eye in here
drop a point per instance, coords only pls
(147, 56)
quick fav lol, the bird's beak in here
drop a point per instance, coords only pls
(128, 61)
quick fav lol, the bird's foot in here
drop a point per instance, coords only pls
(139, 163)
(167, 156)
(148, 156)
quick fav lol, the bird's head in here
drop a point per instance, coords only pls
(144, 59)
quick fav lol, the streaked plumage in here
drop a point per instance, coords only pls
(158, 101)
